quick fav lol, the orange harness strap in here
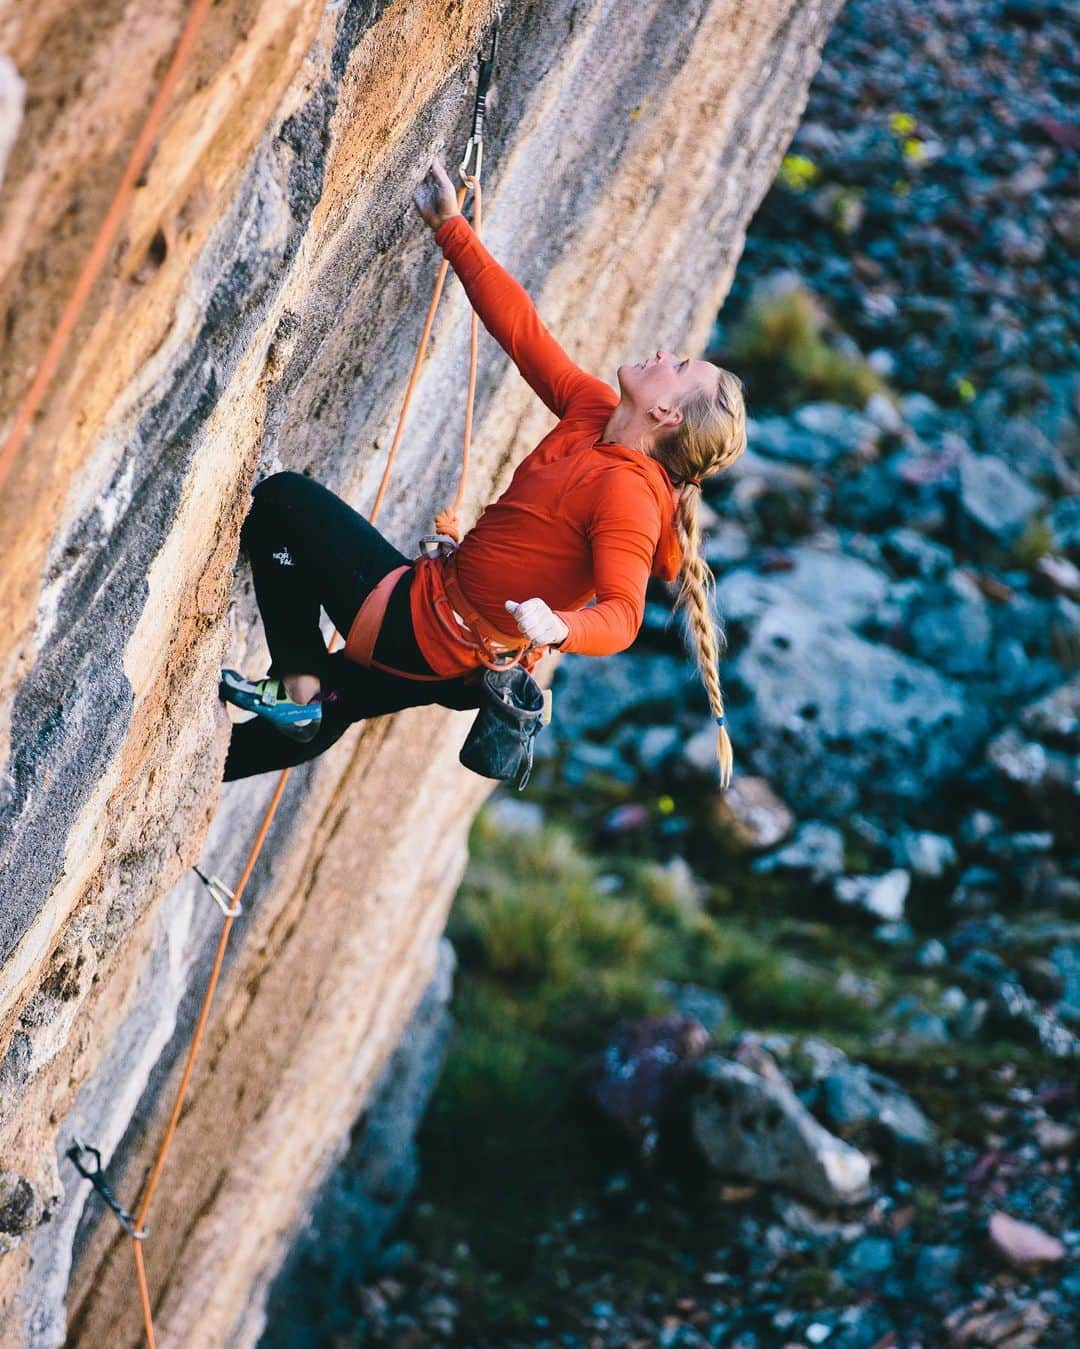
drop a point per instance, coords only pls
(360, 643)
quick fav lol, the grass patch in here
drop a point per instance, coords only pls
(780, 349)
(1036, 541)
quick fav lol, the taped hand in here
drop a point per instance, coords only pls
(538, 622)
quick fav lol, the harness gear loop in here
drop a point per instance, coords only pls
(220, 894)
(98, 1181)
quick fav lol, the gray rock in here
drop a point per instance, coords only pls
(921, 413)
(894, 934)
(1066, 959)
(969, 1023)
(841, 722)
(918, 1023)
(954, 1000)
(21, 1206)
(726, 545)
(850, 432)
(1040, 758)
(857, 986)
(997, 500)
(782, 438)
(926, 853)
(881, 896)
(586, 759)
(817, 848)
(913, 554)
(950, 625)
(655, 745)
(869, 1256)
(593, 693)
(699, 750)
(760, 1130)
(1014, 1009)
(1033, 454)
(884, 413)
(849, 589)
(860, 1102)
(1064, 522)
(932, 955)
(1056, 717)
(816, 1056)
(937, 1269)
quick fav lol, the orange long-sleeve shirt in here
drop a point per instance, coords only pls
(581, 518)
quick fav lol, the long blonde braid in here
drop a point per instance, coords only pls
(710, 437)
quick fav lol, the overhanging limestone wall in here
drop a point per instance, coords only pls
(261, 311)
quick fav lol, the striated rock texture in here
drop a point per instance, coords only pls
(260, 311)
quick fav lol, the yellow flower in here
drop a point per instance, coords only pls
(964, 388)
(902, 123)
(798, 172)
(914, 150)
(666, 805)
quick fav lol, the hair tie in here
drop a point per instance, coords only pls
(695, 482)
(719, 721)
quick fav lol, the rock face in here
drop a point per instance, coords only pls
(260, 310)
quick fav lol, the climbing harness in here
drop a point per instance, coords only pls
(513, 707)
(98, 1181)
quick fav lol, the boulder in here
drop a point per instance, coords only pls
(757, 1128)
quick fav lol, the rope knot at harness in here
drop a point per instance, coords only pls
(449, 522)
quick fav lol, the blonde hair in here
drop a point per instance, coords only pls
(710, 437)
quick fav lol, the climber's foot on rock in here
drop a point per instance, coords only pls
(270, 698)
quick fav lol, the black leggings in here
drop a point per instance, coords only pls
(311, 550)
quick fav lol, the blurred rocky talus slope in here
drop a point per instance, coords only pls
(260, 311)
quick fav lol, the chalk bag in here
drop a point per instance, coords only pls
(500, 744)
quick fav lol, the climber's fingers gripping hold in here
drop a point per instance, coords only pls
(435, 198)
(538, 622)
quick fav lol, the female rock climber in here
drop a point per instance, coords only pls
(607, 499)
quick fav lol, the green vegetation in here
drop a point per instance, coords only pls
(1035, 542)
(555, 946)
(779, 346)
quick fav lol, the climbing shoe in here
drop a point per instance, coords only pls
(270, 699)
(512, 710)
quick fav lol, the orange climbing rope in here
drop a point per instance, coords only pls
(446, 522)
(103, 241)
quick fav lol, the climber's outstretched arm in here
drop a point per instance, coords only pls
(503, 304)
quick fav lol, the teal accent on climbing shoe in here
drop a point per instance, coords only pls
(268, 698)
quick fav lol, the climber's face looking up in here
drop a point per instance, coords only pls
(664, 381)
